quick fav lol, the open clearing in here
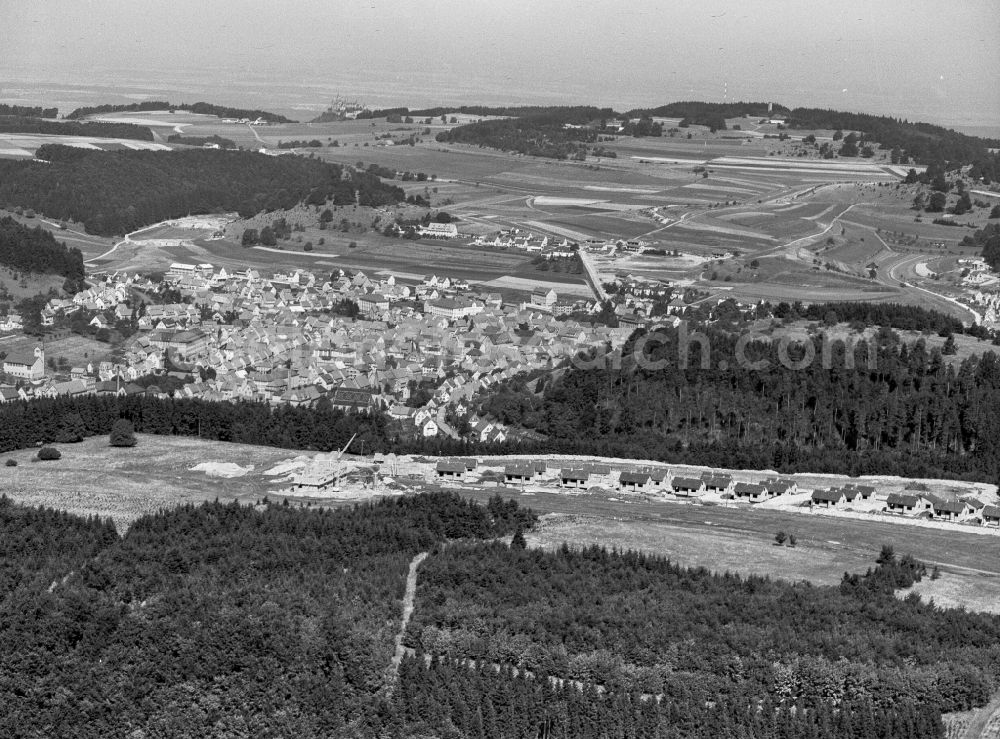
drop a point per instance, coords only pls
(123, 484)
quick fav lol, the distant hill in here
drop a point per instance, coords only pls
(542, 131)
(115, 192)
(220, 111)
(98, 129)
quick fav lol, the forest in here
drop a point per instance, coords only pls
(115, 192)
(541, 132)
(713, 115)
(176, 138)
(267, 619)
(216, 620)
(28, 111)
(36, 250)
(706, 645)
(712, 399)
(220, 111)
(925, 143)
(98, 129)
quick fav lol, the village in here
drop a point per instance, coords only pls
(359, 342)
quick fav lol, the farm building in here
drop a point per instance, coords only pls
(991, 515)
(449, 469)
(687, 486)
(573, 478)
(780, 486)
(751, 491)
(832, 498)
(633, 481)
(721, 484)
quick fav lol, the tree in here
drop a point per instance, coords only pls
(72, 429)
(780, 538)
(267, 237)
(995, 212)
(518, 542)
(964, 204)
(48, 453)
(949, 347)
(887, 556)
(122, 433)
(250, 237)
(792, 540)
(937, 202)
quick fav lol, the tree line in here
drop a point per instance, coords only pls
(98, 129)
(28, 111)
(220, 111)
(120, 191)
(451, 698)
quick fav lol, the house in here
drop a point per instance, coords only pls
(720, 484)
(832, 498)
(687, 486)
(862, 491)
(908, 504)
(352, 400)
(751, 491)
(429, 428)
(569, 478)
(544, 299)
(26, 364)
(633, 481)
(954, 510)
(779, 486)
(519, 473)
(991, 515)
(451, 469)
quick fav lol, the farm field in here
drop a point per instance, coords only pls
(734, 196)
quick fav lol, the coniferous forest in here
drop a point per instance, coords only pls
(892, 408)
(115, 192)
(266, 620)
(36, 250)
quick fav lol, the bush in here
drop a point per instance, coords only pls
(47, 453)
(11, 463)
(122, 433)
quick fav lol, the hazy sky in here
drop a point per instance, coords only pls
(922, 59)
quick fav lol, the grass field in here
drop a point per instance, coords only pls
(742, 539)
(123, 484)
